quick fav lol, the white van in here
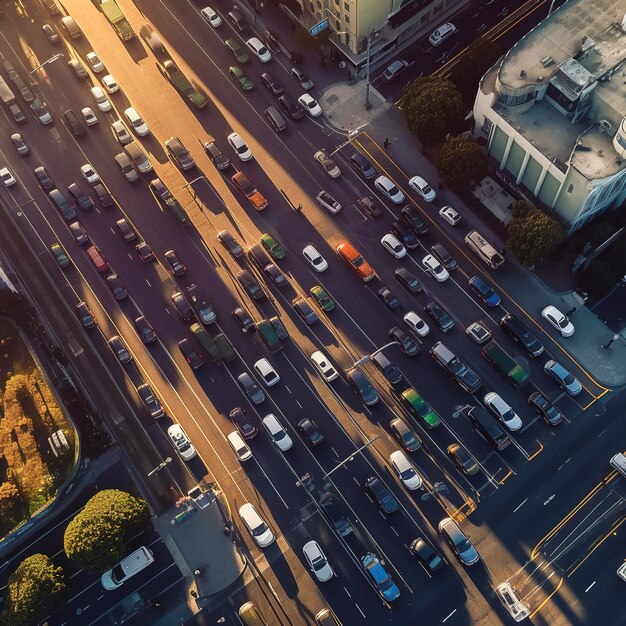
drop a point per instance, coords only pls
(256, 525)
(127, 567)
(618, 462)
(239, 446)
(518, 610)
(277, 432)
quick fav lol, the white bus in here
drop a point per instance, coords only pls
(483, 249)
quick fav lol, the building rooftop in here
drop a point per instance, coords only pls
(579, 48)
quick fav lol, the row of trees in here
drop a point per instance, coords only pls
(95, 539)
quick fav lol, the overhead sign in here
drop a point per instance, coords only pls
(319, 27)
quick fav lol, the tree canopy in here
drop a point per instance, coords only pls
(532, 234)
(432, 108)
(96, 537)
(479, 56)
(461, 162)
(35, 589)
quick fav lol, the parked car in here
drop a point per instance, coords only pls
(503, 411)
(442, 318)
(145, 329)
(460, 545)
(323, 366)
(191, 354)
(393, 246)
(408, 280)
(85, 315)
(559, 321)
(324, 301)
(416, 324)
(563, 377)
(516, 329)
(181, 442)
(389, 189)
(378, 575)
(545, 408)
(405, 435)
(389, 298)
(177, 267)
(250, 388)
(314, 258)
(407, 345)
(242, 423)
(462, 459)
(318, 563)
(484, 291)
(426, 554)
(422, 188)
(328, 165)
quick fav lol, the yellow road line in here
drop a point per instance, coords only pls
(546, 600)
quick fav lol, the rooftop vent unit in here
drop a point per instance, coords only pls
(547, 61)
(522, 73)
(539, 79)
(605, 127)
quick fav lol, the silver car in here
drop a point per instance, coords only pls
(563, 377)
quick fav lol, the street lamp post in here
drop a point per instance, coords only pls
(607, 345)
(160, 466)
(369, 442)
(52, 59)
(368, 357)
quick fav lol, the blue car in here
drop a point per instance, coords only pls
(385, 586)
(487, 294)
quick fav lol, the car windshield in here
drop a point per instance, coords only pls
(358, 261)
(260, 529)
(424, 409)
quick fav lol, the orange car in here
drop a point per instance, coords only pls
(349, 254)
(255, 197)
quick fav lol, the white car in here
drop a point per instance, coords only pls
(7, 178)
(239, 146)
(89, 116)
(435, 269)
(259, 49)
(317, 561)
(211, 17)
(101, 100)
(386, 187)
(267, 373)
(324, 367)
(121, 133)
(393, 246)
(405, 470)
(109, 83)
(136, 121)
(502, 411)
(256, 525)
(558, 320)
(326, 201)
(94, 62)
(416, 324)
(422, 188)
(310, 105)
(450, 215)
(442, 33)
(239, 446)
(89, 174)
(181, 442)
(329, 166)
(317, 261)
(277, 432)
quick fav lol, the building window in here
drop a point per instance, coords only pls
(515, 100)
(346, 19)
(346, 7)
(570, 189)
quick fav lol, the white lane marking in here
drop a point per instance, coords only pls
(564, 464)
(590, 586)
(449, 616)
(519, 506)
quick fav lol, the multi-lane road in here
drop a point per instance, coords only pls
(506, 508)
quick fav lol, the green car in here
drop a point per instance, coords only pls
(420, 408)
(238, 52)
(60, 256)
(325, 302)
(272, 247)
(239, 77)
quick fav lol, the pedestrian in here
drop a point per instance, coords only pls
(299, 208)
(386, 143)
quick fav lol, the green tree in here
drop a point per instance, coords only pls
(96, 537)
(532, 234)
(35, 589)
(432, 108)
(475, 61)
(461, 162)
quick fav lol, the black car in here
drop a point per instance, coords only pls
(81, 199)
(308, 428)
(408, 280)
(160, 189)
(43, 178)
(85, 315)
(426, 554)
(230, 243)
(183, 308)
(179, 154)
(275, 275)
(405, 234)
(332, 508)
(405, 434)
(386, 502)
(103, 194)
(75, 125)
(200, 304)
(243, 424)
(387, 369)
(19, 143)
(79, 233)
(440, 316)
(362, 165)
(117, 345)
(546, 409)
(414, 219)
(215, 154)
(272, 84)
(176, 266)
(462, 459)
(389, 298)
(407, 345)
(242, 317)
(521, 334)
(145, 252)
(192, 356)
(250, 284)
(291, 107)
(145, 329)
(304, 310)
(117, 287)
